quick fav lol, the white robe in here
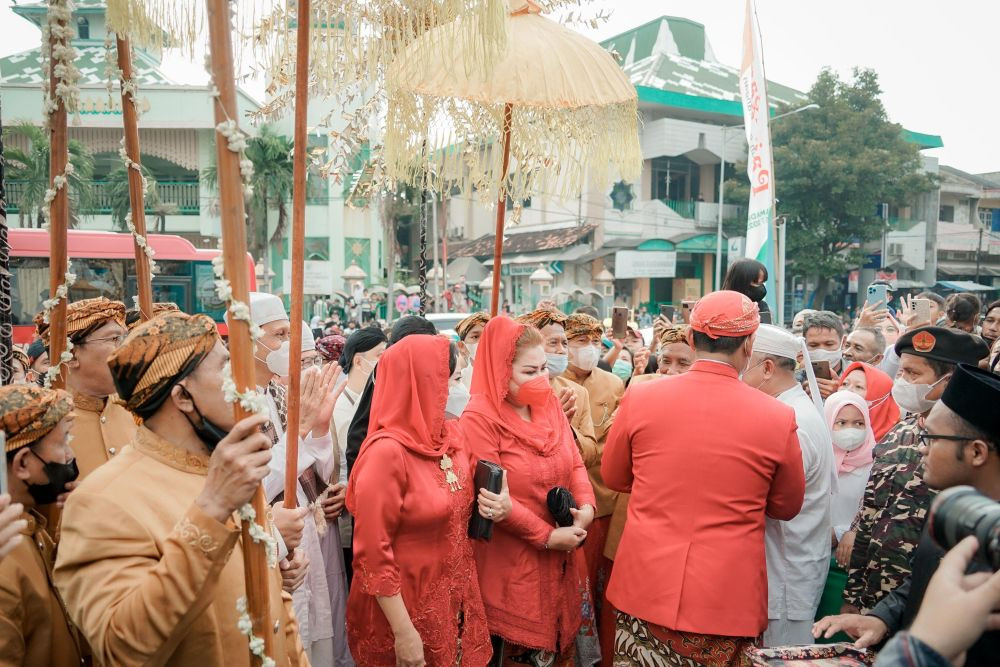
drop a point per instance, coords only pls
(798, 551)
(847, 499)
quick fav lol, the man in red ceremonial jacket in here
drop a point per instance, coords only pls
(704, 467)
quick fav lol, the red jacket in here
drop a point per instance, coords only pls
(705, 458)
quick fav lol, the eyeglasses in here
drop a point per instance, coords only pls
(309, 363)
(925, 439)
(114, 340)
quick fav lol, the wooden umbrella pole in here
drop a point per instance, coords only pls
(136, 190)
(298, 248)
(501, 211)
(58, 218)
(234, 253)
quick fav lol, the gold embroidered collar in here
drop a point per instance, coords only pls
(88, 403)
(166, 452)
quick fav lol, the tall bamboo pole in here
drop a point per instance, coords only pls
(6, 312)
(234, 252)
(298, 247)
(136, 192)
(501, 211)
(58, 215)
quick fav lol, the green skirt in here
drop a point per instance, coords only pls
(833, 598)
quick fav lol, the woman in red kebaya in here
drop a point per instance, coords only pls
(529, 572)
(415, 598)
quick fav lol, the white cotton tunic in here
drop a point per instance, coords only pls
(798, 551)
(847, 499)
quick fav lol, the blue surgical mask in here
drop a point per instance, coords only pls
(557, 363)
(622, 369)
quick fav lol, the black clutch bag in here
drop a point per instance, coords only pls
(560, 501)
(488, 476)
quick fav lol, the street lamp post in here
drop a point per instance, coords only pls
(722, 184)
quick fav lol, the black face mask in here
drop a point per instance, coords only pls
(207, 431)
(59, 474)
(757, 293)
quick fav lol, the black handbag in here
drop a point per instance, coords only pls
(560, 501)
(488, 476)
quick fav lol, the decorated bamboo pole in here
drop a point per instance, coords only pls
(6, 310)
(136, 182)
(58, 219)
(501, 210)
(298, 247)
(234, 253)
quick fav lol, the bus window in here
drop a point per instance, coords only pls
(97, 277)
(205, 299)
(30, 283)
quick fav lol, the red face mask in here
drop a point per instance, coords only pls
(534, 392)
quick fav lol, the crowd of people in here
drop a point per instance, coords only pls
(727, 487)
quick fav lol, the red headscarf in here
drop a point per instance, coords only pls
(410, 395)
(491, 384)
(883, 409)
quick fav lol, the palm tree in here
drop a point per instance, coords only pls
(271, 155)
(121, 204)
(32, 167)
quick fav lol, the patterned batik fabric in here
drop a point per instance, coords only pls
(29, 412)
(465, 326)
(828, 655)
(82, 315)
(890, 520)
(642, 644)
(507, 654)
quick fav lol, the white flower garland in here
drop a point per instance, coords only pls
(48, 305)
(140, 240)
(245, 626)
(59, 54)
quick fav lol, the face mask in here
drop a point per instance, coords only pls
(557, 363)
(833, 356)
(757, 292)
(277, 360)
(849, 439)
(471, 347)
(585, 358)
(207, 431)
(367, 365)
(913, 397)
(622, 369)
(534, 392)
(458, 398)
(59, 474)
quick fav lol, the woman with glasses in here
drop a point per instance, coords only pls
(95, 328)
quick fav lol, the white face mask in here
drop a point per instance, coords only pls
(366, 365)
(557, 363)
(277, 360)
(458, 398)
(849, 439)
(913, 397)
(471, 347)
(585, 358)
(833, 356)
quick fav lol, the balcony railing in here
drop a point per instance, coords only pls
(184, 194)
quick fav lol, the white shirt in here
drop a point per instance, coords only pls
(311, 450)
(343, 415)
(847, 499)
(798, 551)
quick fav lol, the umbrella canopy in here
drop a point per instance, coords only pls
(572, 112)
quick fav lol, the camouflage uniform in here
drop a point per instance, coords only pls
(888, 525)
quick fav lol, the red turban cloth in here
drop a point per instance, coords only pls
(725, 314)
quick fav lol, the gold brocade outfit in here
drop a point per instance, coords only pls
(148, 577)
(100, 430)
(605, 392)
(34, 629)
(582, 424)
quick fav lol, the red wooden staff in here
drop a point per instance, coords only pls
(58, 215)
(234, 251)
(136, 193)
(298, 248)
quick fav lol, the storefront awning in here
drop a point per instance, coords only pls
(965, 286)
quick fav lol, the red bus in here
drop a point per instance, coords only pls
(104, 264)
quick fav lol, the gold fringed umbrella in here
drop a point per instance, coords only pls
(559, 106)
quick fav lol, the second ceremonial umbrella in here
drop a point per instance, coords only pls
(555, 103)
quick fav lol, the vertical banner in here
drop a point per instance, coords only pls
(761, 237)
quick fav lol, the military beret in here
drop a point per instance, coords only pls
(951, 346)
(974, 394)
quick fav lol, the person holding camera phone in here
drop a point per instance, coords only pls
(958, 447)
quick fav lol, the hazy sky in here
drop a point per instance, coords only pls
(937, 61)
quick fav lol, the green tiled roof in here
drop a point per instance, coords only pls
(26, 67)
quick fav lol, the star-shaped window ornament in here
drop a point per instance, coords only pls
(622, 196)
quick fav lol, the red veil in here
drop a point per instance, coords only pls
(883, 409)
(490, 386)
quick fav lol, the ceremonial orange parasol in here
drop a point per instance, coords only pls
(561, 108)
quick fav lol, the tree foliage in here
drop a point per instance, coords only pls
(833, 166)
(31, 166)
